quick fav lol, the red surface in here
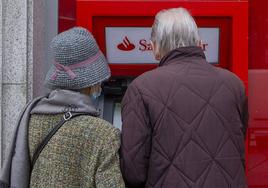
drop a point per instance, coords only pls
(258, 131)
(258, 83)
(258, 34)
(258, 158)
(88, 11)
(258, 94)
(67, 14)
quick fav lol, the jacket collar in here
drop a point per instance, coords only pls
(192, 52)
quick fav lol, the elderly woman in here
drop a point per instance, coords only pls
(184, 122)
(59, 140)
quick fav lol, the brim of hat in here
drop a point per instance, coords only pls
(87, 76)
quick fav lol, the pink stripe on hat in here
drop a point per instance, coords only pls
(69, 69)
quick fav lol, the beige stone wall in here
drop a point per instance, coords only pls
(15, 63)
(26, 26)
(1, 75)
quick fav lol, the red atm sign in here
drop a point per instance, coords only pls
(131, 45)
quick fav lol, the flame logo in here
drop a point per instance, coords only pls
(126, 45)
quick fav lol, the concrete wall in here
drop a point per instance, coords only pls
(26, 26)
(14, 64)
(45, 28)
(1, 75)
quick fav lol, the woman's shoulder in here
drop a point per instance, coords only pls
(97, 126)
(81, 126)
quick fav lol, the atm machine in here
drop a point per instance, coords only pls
(122, 30)
(130, 46)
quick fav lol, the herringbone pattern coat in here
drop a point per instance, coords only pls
(83, 153)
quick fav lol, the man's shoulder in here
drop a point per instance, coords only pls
(146, 79)
(231, 81)
(229, 76)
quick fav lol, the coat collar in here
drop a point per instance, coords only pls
(62, 101)
(178, 54)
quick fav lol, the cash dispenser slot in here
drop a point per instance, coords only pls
(113, 92)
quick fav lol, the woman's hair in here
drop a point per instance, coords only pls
(173, 28)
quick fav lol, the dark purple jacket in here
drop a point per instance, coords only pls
(184, 125)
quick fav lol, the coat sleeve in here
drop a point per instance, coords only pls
(136, 139)
(108, 173)
(244, 112)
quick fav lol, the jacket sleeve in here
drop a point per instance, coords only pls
(136, 139)
(108, 173)
(244, 112)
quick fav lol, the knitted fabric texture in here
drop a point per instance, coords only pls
(70, 48)
(83, 153)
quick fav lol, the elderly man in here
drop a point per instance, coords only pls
(183, 123)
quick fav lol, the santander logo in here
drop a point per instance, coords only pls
(126, 45)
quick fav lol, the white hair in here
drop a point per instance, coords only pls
(173, 28)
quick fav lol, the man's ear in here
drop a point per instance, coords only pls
(156, 55)
(200, 44)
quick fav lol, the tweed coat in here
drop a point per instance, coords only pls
(83, 153)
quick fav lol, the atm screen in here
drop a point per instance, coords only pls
(210, 38)
(131, 45)
(117, 122)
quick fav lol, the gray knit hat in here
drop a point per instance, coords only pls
(78, 61)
